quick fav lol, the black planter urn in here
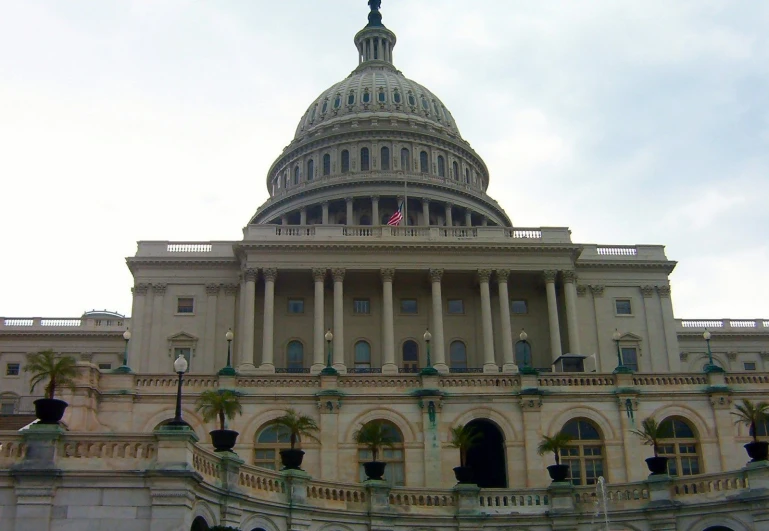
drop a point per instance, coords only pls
(223, 440)
(374, 469)
(464, 474)
(49, 410)
(657, 465)
(558, 473)
(757, 451)
(292, 459)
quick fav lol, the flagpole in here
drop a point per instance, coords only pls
(405, 199)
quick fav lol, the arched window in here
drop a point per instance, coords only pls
(467, 175)
(312, 115)
(410, 356)
(325, 107)
(458, 355)
(523, 354)
(345, 161)
(310, 169)
(680, 446)
(295, 356)
(384, 158)
(285, 179)
(425, 104)
(455, 173)
(366, 96)
(351, 98)
(441, 166)
(296, 175)
(396, 96)
(364, 159)
(270, 440)
(199, 524)
(412, 99)
(382, 96)
(405, 160)
(584, 454)
(338, 101)
(423, 162)
(326, 164)
(394, 471)
(362, 355)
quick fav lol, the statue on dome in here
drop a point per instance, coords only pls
(375, 4)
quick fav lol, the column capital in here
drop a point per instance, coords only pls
(503, 275)
(569, 277)
(449, 205)
(348, 199)
(375, 198)
(213, 289)
(250, 274)
(159, 289)
(318, 274)
(484, 275)
(270, 274)
(425, 201)
(231, 289)
(140, 289)
(647, 291)
(338, 274)
(550, 275)
(581, 290)
(597, 290)
(436, 275)
(664, 291)
(325, 203)
(387, 274)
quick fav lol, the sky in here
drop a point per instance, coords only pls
(631, 122)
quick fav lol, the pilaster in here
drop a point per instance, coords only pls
(438, 346)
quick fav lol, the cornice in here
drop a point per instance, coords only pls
(201, 263)
(668, 265)
(61, 332)
(719, 333)
(390, 246)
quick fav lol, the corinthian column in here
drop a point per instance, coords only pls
(570, 291)
(139, 362)
(504, 316)
(375, 211)
(426, 212)
(552, 314)
(438, 354)
(268, 346)
(489, 363)
(247, 356)
(388, 329)
(318, 276)
(338, 275)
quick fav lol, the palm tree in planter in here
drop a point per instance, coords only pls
(753, 415)
(374, 435)
(59, 371)
(298, 426)
(220, 404)
(555, 444)
(464, 437)
(650, 433)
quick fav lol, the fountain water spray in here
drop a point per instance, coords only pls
(602, 500)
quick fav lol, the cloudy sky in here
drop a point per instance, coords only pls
(642, 121)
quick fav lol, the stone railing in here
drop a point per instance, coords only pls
(717, 326)
(625, 496)
(12, 448)
(439, 500)
(615, 253)
(503, 501)
(329, 494)
(707, 484)
(64, 324)
(207, 464)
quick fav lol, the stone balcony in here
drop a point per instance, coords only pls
(64, 325)
(722, 326)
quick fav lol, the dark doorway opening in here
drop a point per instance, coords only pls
(719, 528)
(487, 459)
(199, 524)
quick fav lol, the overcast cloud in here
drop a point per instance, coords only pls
(629, 122)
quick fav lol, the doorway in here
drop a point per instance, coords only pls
(487, 458)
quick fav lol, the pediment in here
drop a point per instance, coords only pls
(628, 336)
(182, 336)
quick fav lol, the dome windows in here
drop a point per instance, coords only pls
(310, 169)
(385, 158)
(437, 111)
(366, 96)
(338, 101)
(325, 107)
(351, 98)
(382, 96)
(425, 104)
(405, 160)
(326, 164)
(345, 161)
(423, 166)
(412, 100)
(441, 166)
(455, 167)
(364, 159)
(312, 115)
(296, 175)
(396, 96)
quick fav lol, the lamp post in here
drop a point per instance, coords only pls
(180, 366)
(329, 370)
(621, 369)
(429, 369)
(125, 369)
(228, 370)
(527, 368)
(710, 367)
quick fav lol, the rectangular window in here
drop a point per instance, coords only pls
(749, 366)
(361, 306)
(11, 369)
(187, 353)
(630, 358)
(409, 306)
(623, 307)
(573, 364)
(519, 307)
(7, 408)
(295, 305)
(456, 306)
(105, 366)
(185, 305)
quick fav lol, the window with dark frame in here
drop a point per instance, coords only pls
(749, 366)
(630, 358)
(295, 306)
(623, 307)
(409, 306)
(519, 307)
(12, 369)
(361, 306)
(456, 306)
(105, 366)
(185, 305)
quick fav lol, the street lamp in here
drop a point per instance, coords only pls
(710, 367)
(180, 366)
(329, 370)
(429, 369)
(124, 369)
(228, 370)
(527, 368)
(621, 368)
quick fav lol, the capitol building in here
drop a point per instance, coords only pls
(380, 282)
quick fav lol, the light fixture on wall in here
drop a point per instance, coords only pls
(125, 369)
(228, 370)
(710, 367)
(328, 369)
(180, 366)
(429, 369)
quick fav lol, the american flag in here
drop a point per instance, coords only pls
(397, 217)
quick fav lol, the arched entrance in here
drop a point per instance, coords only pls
(718, 528)
(487, 459)
(199, 524)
